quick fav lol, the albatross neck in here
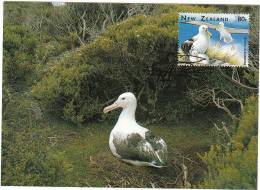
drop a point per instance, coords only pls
(128, 113)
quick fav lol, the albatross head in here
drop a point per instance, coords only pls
(203, 29)
(126, 100)
(220, 26)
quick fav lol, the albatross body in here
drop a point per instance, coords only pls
(224, 33)
(199, 42)
(131, 142)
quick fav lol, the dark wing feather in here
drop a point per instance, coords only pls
(134, 147)
(186, 46)
(158, 145)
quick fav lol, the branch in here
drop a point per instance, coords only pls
(236, 81)
(218, 97)
(220, 103)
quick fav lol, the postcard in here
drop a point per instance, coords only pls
(129, 95)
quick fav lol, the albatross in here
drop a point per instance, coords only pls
(131, 142)
(224, 33)
(197, 46)
(199, 42)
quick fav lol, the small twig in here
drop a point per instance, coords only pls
(184, 157)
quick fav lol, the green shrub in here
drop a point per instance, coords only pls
(130, 56)
(48, 50)
(26, 52)
(19, 49)
(27, 158)
(235, 165)
(7, 98)
(247, 124)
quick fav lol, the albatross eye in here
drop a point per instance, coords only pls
(123, 98)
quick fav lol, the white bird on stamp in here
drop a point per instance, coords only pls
(224, 33)
(198, 43)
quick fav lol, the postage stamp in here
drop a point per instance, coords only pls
(207, 39)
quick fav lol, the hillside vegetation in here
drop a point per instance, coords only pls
(133, 55)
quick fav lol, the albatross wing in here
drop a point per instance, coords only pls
(187, 45)
(149, 151)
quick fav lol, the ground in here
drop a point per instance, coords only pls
(86, 149)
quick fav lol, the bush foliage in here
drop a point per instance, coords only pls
(19, 53)
(27, 155)
(235, 164)
(133, 55)
(27, 159)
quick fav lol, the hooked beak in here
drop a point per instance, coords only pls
(110, 108)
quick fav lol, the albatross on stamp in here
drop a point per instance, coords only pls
(131, 142)
(197, 46)
(199, 42)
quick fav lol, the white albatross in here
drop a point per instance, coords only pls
(224, 33)
(131, 142)
(198, 43)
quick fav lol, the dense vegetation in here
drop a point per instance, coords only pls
(63, 64)
(127, 57)
(233, 164)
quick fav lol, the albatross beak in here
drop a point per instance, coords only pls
(209, 34)
(110, 108)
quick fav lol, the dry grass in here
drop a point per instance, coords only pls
(124, 175)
